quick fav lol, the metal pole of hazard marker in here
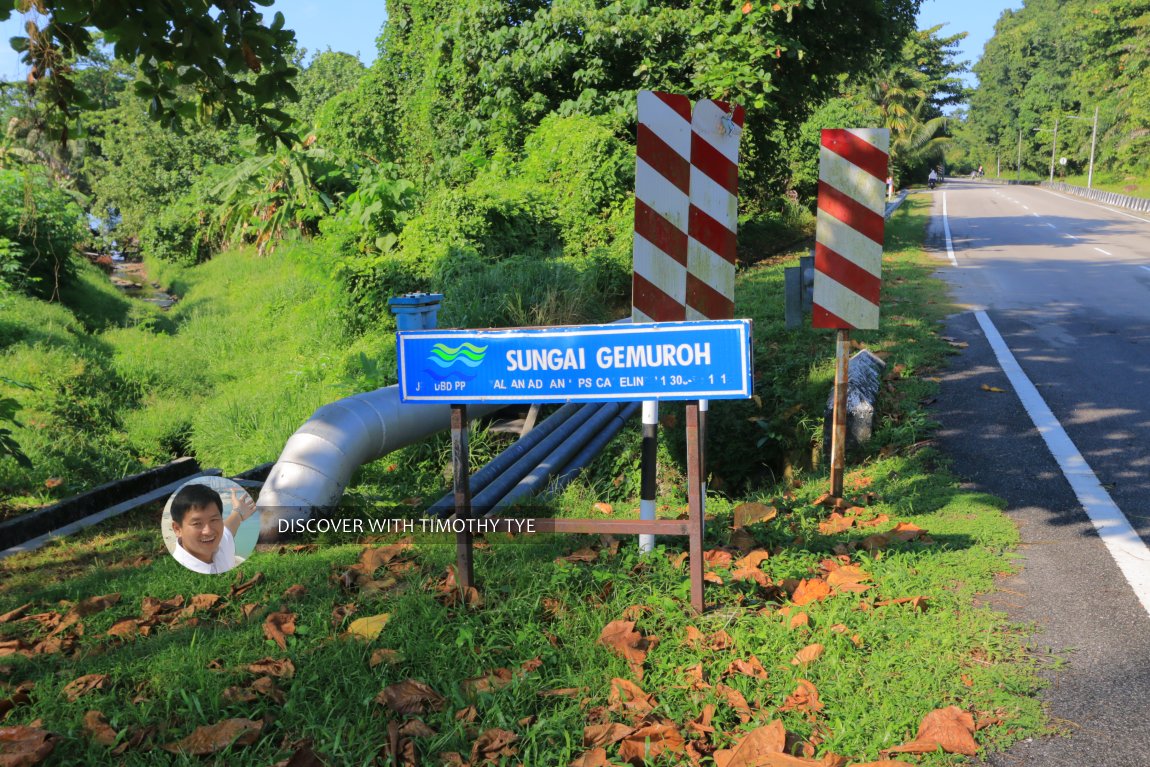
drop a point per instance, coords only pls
(849, 229)
(648, 465)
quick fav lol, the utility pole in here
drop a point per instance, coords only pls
(1018, 167)
(1053, 150)
(1093, 141)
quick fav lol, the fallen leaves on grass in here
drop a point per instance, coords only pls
(748, 568)
(84, 685)
(848, 578)
(950, 729)
(735, 700)
(368, 628)
(604, 508)
(752, 668)
(451, 595)
(811, 590)
(605, 734)
(907, 532)
(919, 603)
(752, 513)
(645, 744)
(807, 655)
(278, 626)
(411, 697)
(21, 696)
(284, 669)
(805, 699)
(241, 587)
(585, 554)
(25, 746)
(382, 655)
(98, 729)
(628, 696)
(622, 639)
(720, 640)
(756, 746)
(213, 738)
(836, 523)
(16, 614)
(492, 746)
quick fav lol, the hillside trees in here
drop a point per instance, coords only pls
(1053, 59)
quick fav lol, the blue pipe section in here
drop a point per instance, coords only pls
(595, 446)
(561, 456)
(503, 477)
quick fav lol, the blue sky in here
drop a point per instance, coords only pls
(358, 22)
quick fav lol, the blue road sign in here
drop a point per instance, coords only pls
(586, 363)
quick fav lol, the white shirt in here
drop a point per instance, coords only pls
(224, 559)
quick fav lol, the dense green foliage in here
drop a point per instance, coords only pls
(1058, 59)
(39, 227)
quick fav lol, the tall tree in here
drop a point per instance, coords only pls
(238, 65)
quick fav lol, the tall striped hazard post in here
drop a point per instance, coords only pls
(849, 232)
(686, 214)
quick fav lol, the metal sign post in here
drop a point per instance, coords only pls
(839, 422)
(690, 361)
(461, 480)
(849, 229)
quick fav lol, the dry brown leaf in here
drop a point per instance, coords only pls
(411, 697)
(811, 590)
(752, 513)
(716, 558)
(241, 587)
(735, 700)
(562, 692)
(93, 605)
(804, 699)
(720, 640)
(153, 608)
(882, 763)
(808, 654)
(21, 696)
(702, 723)
(626, 695)
(278, 626)
(14, 615)
(605, 734)
(622, 638)
(645, 744)
(212, 738)
(98, 729)
(368, 628)
(881, 519)
(467, 715)
(596, 757)
(919, 603)
(84, 685)
(752, 668)
(267, 687)
(492, 745)
(304, 755)
(950, 729)
(283, 669)
(907, 532)
(995, 389)
(798, 620)
(604, 508)
(382, 655)
(296, 591)
(24, 746)
(847, 574)
(584, 554)
(416, 728)
(340, 613)
(493, 680)
(836, 523)
(754, 747)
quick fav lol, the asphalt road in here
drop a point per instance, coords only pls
(1066, 283)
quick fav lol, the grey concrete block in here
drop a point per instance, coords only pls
(864, 379)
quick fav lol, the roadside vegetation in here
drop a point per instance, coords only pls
(838, 635)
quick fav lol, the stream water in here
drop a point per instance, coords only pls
(130, 278)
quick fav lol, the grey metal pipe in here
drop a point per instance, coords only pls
(482, 478)
(560, 456)
(318, 460)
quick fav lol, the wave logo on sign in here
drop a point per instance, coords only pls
(446, 356)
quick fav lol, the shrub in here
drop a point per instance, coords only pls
(40, 225)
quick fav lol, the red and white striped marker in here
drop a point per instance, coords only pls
(849, 228)
(686, 209)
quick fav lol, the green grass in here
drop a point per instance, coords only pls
(1135, 186)
(906, 662)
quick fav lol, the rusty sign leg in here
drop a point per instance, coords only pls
(461, 475)
(839, 422)
(694, 508)
(704, 406)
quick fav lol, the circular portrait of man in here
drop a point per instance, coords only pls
(210, 525)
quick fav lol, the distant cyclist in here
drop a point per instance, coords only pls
(932, 179)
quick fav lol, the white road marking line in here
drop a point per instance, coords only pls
(1125, 546)
(1071, 236)
(1147, 268)
(1095, 205)
(1026, 207)
(1036, 216)
(1052, 226)
(946, 231)
(1104, 252)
